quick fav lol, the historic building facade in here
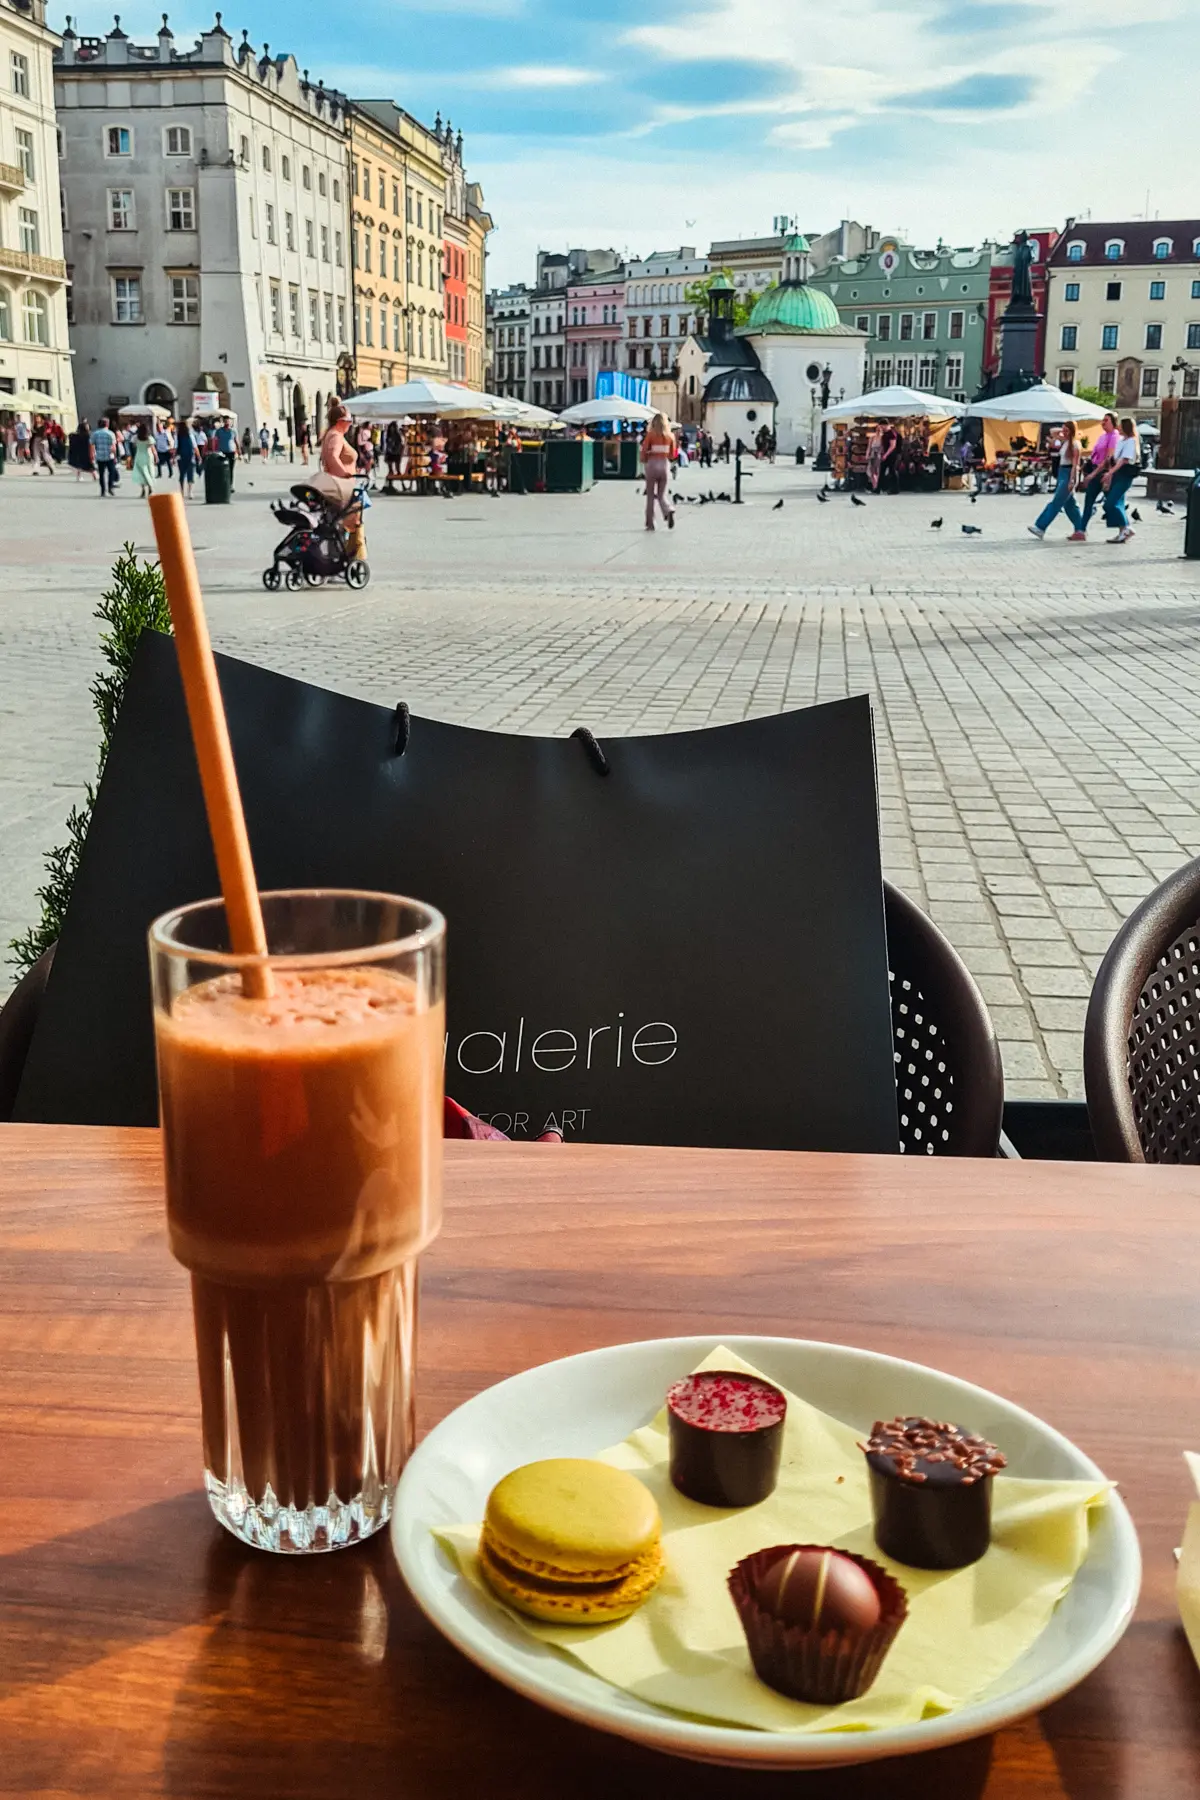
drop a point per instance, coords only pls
(456, 250)
(659, 317)
(35, 358)
(206, 206)
(508, 315)
(479, 227)
(1123, 310)
(595, 330)
(398, 200)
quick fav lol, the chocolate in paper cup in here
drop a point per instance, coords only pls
(823, 1668)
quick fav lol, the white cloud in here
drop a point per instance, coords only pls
(533, 75)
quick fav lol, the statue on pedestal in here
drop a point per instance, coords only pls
(1022, 286)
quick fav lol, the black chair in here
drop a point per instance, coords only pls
(949, 1082)
(1141, 1041)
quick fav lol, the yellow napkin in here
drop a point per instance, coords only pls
(1187, 1576)
(684, 1649)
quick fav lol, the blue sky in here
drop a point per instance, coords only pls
(645, 126)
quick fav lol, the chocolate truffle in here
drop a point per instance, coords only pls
(931, 1491)
(818, 1621)
(726, 1434)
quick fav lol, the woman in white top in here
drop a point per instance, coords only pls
(658, 453)
(1126, 463)
(1063, 498)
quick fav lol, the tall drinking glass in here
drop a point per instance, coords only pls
(302, 1136)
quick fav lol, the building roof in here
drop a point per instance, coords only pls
(728, 247)
(1139, 237)
(740, 384)
(793, 307)
(728, 353)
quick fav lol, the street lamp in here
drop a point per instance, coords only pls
(822, 458)
(286, 384)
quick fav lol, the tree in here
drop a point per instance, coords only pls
(696, 294)
(136, 602)
(1098, 397)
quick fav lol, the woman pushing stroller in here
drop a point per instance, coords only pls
(339, 466)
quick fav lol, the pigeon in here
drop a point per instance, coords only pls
(855, 501)
(777, 506)
(974, 498)
(1135, 514)
(821, 495)
(935, 524)
(1164, 507)
(825, 487)
(972, 530)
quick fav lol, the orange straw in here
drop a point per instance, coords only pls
(210, 734)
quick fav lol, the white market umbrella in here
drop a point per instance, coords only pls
(1038, 405)
(608, 408)
(895, 403)
(445, 399)
(516, 412)
(29, 401)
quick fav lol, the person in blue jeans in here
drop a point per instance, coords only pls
(1097, 466)
(1063, 498)
(104, 448)
(1126, 464)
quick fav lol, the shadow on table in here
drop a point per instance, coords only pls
(1105, 1739)
(75, 1599)
(325, 1681)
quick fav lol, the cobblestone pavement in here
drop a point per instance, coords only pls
(1037, 705)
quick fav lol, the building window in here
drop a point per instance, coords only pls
(369, 326)
(383, 256)
(270, 217)
(927, 372)
(276, 308)
(1106, 380)
(120, 209)
(1154, 337)
(1109, 337)
(119, 140)
(321, 182)
(862, 323)
(35, 316)
(1193, 337)
(883, 329)
(294, 311)
(5, 316)
(266, 158)
(383, 324)
(1191, 383)
(1162, 249)
(395, 261)
(906, 327)
(1066, 380)
(337, 248)
(19, 69)
(957, 320)
(929, 325)
(382, 189)
(881, 371)
(310, 240)
(341, 309)
(324, 243)
(337, 195)
(396, 206)
(1113, 250)
(181, 209)
(905, 370)
(183, 292)
(954, 374)
(366, 250)
(285, 167)
(1069, 337)
(1158, 290)
(177, 140)
(1071, 290)
(1112, 290)
(1075, 252)
(25, 153)
(395, 331)
(1149, 384)
(289, 230)
(314, 316)
(127, 299)
(244, 147)
(408, 263)
(420, 221)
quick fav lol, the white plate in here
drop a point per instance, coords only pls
(586, 1403)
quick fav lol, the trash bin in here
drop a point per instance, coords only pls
(1191, 535)
(799, 453)
(217, 485)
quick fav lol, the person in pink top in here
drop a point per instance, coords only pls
(1098, 464)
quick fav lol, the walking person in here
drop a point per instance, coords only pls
(162, 449)
(143, 467)
(79, 452)
(889, 458)
(1063, 497)
(1126, 464)
(875, 457)
(264, 442)
(185, 451)
(1097, 467)
(225, 443)
(658, 453)
(104, 449)
(42, 458)
(22, 441)
(338, 476)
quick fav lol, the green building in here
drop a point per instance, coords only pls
(924, 313)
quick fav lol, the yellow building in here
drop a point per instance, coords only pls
(479, 224)
(397, 201)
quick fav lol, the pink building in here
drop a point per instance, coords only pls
(595, 330)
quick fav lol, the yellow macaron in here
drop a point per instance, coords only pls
(571, 1542)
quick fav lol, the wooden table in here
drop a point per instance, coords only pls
(144, 1652)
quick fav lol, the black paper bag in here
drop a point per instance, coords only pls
(688, 949)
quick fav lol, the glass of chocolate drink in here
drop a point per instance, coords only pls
(301, 1099)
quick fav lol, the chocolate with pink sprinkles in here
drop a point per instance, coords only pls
(726, 1436)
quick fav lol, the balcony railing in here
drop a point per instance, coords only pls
(12, 178)
(24, 262)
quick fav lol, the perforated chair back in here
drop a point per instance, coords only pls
(1141, 1041)
(949, 1078)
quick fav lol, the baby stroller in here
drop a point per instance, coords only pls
(317, 545)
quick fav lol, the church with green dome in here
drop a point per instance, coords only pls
(793, 335)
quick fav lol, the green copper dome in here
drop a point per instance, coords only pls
(794, 306)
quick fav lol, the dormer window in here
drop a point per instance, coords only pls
(1075, 250)
(1114, 250)
(1162, 249)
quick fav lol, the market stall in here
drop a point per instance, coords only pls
(1016, 431)
(453, 438)
(919, 420)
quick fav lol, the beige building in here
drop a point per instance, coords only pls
(35, 357)
(397, 201)
(1123, 310)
